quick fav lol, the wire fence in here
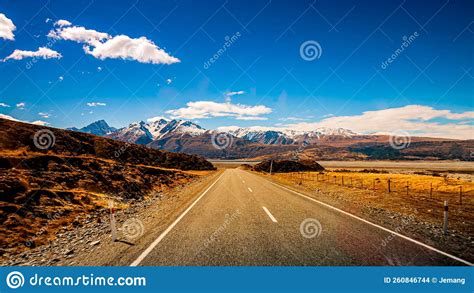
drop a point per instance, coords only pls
(442, 189)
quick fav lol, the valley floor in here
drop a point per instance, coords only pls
(238, 217)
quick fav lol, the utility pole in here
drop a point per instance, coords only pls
(271, 166)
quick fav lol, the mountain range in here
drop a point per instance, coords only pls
(259, 143)
(142, 132)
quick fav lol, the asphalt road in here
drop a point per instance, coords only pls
(244, 219)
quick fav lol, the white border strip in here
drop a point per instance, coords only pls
(162, 235)
(270, 215)
(378, 226)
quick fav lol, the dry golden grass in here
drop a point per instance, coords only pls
(421, 185)
(418, 202)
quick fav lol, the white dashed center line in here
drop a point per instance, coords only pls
(250, 189)
(270, 215)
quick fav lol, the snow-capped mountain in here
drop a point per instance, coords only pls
(100, 128)
(263, 136)
(143, 133)
(146, 132)
(136, 132)
(288, 136)
(162, 127)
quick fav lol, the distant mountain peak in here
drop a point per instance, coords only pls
(100, 127)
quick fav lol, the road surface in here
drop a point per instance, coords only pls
(244, 219)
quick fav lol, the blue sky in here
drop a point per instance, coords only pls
(155, 60)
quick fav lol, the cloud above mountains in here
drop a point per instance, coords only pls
(417, 120)
(209, 109)
(102, 45)
(6, 28)
(37, 122)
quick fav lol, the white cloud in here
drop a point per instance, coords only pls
(61, 78)
(208, 109)
(99, 68)
(291, 119)
(78, 34)
(157, 118)
(414, 119)
(230, 94)
(44, 115)
(21, 105)
(6, 28)
(62, 23)
(169, 81)
(47, 20)
(250, 118)
(124, 47)
(8, 117)
(103, 46)
(42, 52)
(96, 104)
(38, 122)
(4, 105)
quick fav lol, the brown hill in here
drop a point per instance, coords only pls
(17, 136)
(50, 178)
(378, 147)
(202, 145)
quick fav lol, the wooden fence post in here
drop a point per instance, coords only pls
(431, 190)
(389, 190)
(460, 195)
(445, 218)
(407, 187)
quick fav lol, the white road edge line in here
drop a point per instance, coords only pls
(250, 189)
(378, 226)
(162, 235)
(270, 215)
